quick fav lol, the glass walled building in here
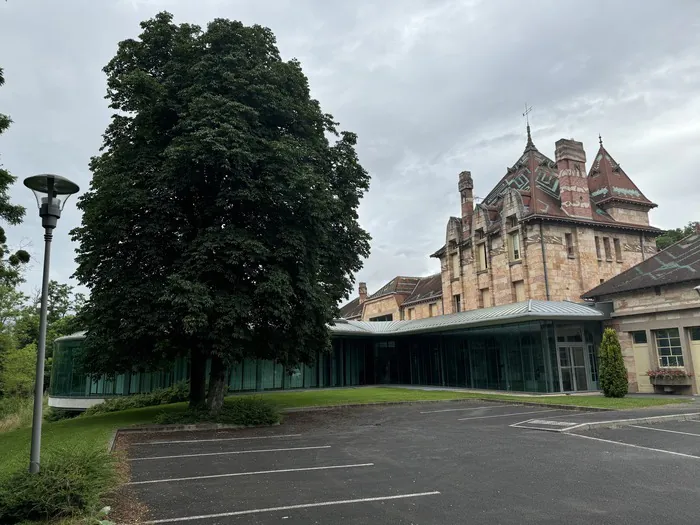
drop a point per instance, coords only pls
(532, 346)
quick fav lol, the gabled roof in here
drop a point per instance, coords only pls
(398, 285)
(428, 288)
(678, 263)
(510, 313)
(352, 309)
(607, 182)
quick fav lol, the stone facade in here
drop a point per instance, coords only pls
(656, 313)
(540, 234)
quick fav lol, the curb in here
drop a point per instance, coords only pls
(573, 408)
(633, 421)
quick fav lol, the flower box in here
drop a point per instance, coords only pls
(671, 380)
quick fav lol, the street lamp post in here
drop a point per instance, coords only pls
(51, 192)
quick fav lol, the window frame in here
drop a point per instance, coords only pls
(514, 249)
(694, 333)
(457, 303)
(634, 334)
(675, 354)
(481, 250)
(618, 249)
(607, 249)
(569, 243)
(598, 251)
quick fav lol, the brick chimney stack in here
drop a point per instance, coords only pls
(573, 183)
(363, 292)
(466, 187)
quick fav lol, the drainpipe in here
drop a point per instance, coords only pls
(544, 262)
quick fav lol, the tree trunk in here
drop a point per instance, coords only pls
(217, 385)
(198, 369)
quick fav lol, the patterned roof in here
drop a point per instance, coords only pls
(509, 313)
(352, 309)
(428, 288)
(400, 285)
(678, 263)
(608, 181)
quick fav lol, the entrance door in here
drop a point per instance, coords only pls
(572, 364)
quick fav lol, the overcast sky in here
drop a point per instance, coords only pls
(431, 87)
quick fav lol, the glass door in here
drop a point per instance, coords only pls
(572, 366)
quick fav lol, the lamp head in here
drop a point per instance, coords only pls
(51, 192)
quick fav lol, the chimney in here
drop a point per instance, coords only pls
(573, 183)
(363, 292)
(466, 185)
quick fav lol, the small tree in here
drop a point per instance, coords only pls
(613, 374)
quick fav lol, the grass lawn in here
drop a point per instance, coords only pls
(364, 395)
(95, 431)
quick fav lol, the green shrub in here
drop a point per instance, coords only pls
(174, 394)
(15, 412)
(18, 371)
(246, 411)
(71, 481)
(58, 414)
(612, 372)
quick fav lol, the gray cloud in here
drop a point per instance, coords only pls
(431, 87)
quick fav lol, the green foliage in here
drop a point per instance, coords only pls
(245, 411)
(176, 393)
(18, 370)
(58, 414)
(220, 221)
(72, 481)
(10, 263)
(612, 373)
(670, 237)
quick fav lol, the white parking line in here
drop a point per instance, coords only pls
(460, 409)
(258, 472)
(509, 414)
(227, 453)
(215, 439)
(669, 431)
(634, 446)
(293, 507)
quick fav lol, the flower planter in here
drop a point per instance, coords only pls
(671, 381)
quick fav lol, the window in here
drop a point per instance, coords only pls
(431, 309)
(519, 291)
(481, 253)
(639, 338)
(387, 317)
(569, 238)
(695, 333)
(457, 303)
(411, 313)
(485, 298)
(514, 245)
(597, 248)
(606, 246)
(668, 347)
(618, 250)
(455, 265)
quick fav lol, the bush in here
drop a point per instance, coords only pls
(18, 371)
(71, 481)
(245, 411)
(58, 414)
(612, 373)
(174, 394)
(15, 412)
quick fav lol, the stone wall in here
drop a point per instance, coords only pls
(629, 215)
(385, 305)
(422, 310)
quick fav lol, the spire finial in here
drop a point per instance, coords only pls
(526, 114)
(600, 140)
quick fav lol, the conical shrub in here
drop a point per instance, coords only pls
(612, 372)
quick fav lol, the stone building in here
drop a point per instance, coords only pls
(547, 231)
(656, 313)
(402, 298)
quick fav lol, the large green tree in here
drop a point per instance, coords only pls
(221, 222)
(10, 263)
(670, 237)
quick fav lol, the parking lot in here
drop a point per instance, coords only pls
(438, 463)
